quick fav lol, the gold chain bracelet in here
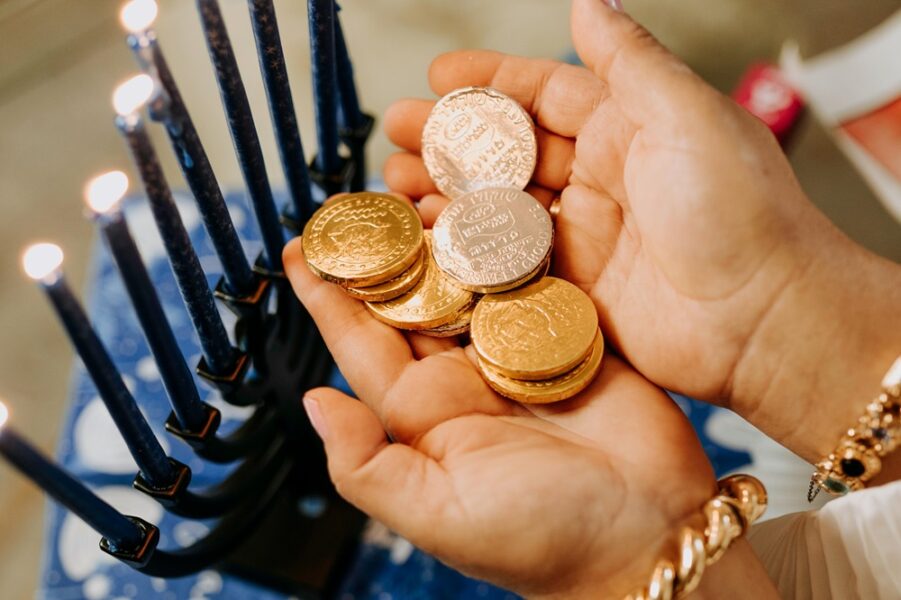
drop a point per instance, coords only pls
(740, 502)
(858, 456)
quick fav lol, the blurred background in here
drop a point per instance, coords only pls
(59, 61)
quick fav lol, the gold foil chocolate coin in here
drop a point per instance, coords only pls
(434, 301)
(393, 287)
(492, 240)
(477, 138)
(362, 239)
(459, 326)
(549, 390)
(535, 332)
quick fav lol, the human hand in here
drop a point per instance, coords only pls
(711, 271)
(577, 498)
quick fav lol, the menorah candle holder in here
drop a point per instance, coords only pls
(279, 520)
(261, 533)
(355, 138)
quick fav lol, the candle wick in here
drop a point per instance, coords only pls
(128, 122)
(52, 277)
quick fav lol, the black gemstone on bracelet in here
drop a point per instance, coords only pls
(852, 467)
(880, 433)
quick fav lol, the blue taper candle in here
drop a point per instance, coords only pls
(322, 50)
(103, 195)
(351, 115)
(355, 125)
(243, 131)
(281, 106)
(138, 17)
(196, 168)
(42, 263)
(65, 489)
(217, 350)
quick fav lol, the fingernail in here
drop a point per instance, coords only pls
(614, 4)
(311, 405)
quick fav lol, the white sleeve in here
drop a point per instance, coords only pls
(850, 548)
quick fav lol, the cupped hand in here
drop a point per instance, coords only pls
(575, 498)
(711, 271)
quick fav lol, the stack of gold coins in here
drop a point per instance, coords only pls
(539, 343)
(482, 269)
(434, 306)
(370, 244)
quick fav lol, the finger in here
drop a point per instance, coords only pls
(555, 159)
(559, 96)
(406, 173)
(542, 194)
(587, 231)
(393, 483)
(424, 346)
(430, 207)
(370, 354)
(404, 121)
(643, 76)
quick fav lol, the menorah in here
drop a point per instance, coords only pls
(277, 353)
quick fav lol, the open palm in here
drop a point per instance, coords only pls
(679, 214)
(544, 500)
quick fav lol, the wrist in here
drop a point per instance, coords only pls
(738, 575)
(700, 546)
(818, 357)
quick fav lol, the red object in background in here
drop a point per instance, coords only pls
(768, 96)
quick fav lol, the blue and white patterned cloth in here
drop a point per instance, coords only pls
(386, 567)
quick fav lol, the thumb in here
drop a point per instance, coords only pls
(643, 75)
(390, 482)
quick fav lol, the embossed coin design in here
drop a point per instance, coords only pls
(362, 239)
(394, 287)
(554, 389)
(492, 240)
(537, 331)
(477, 138)
(434, 301)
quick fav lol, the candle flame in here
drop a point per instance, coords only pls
(103, 192)
(130, 96)
(138, 15)
(4, 414)
(40, 261)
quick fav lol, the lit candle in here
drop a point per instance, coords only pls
(281, 106)
(65, 489)
(138, 17)
(322, 51)
(243, 131)
(42, 263)
(218, 352)
(103, 194)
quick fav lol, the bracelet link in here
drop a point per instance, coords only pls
(858, 455)
(741, 500)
